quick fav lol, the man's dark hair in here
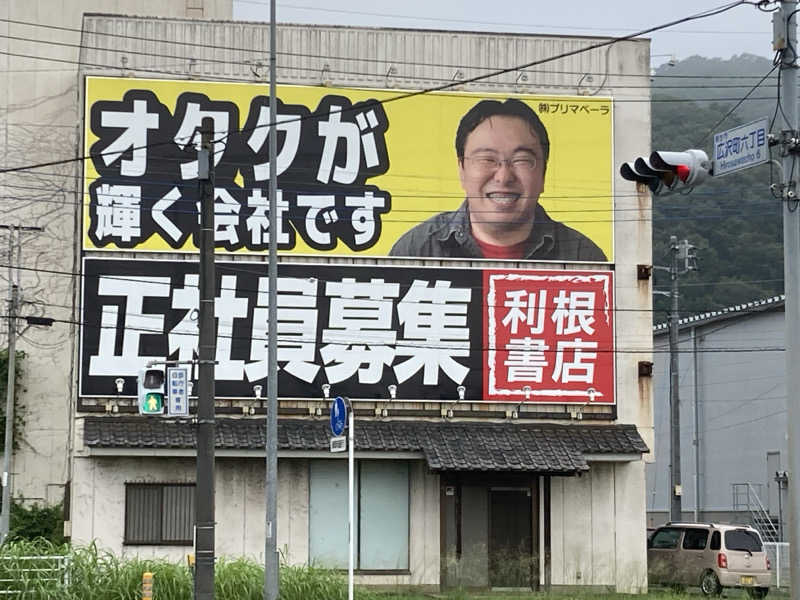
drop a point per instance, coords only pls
(510, 108)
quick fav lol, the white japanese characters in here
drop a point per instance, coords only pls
(527, 335)
(545, 331)
(344, 329)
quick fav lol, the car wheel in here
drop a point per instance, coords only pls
(709, 584)
(757, 593)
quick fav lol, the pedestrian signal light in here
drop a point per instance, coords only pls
(151, 391)
(668, 172)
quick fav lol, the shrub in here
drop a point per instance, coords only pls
(36, 521)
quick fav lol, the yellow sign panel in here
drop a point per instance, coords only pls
(357, 170)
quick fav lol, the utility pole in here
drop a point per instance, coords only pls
(14, 234)
(8, 452)
(675, 508)
(271, 564)
(204, 489)
(683, 260)
(785, 41)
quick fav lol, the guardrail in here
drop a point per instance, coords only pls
(19, 574)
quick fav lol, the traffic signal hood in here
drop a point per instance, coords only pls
(668, 172)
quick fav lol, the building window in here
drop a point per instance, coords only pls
(159, 513)
(381, 514)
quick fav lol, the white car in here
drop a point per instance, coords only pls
(710, 556)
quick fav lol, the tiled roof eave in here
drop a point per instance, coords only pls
(447, 446)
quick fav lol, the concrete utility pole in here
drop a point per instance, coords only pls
(14, 249)
(271, 565)
(13, 300)
(207, 349)
(683, 260)
(675, 508)
(785, 40)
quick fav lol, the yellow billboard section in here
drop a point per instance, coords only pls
(357, 168)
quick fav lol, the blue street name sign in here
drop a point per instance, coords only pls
(338, 416)
(741, 147)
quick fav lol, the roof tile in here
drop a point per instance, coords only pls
(447, 446)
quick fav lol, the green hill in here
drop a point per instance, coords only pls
(734, 220)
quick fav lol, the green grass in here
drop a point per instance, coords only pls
(95, 574)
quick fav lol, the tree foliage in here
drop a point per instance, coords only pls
(19, 413)
(734, 221)
(37, 522)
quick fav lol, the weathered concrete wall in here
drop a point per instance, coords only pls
(99, 510)
(597, 534)
(39, 123)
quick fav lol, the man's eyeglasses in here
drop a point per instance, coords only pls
(490, 164)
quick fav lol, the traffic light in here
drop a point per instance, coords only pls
(668, 172)
(151, 391)
(688, 254)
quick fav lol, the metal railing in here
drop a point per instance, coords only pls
(19, 574)
(778, 553)
(745, 498)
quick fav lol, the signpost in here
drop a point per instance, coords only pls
(339, 416)
(741, 147)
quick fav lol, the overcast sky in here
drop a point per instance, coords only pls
(741, 29)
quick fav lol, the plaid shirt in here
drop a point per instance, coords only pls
(449, 235)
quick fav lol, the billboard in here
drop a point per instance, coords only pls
(358, 169)
(505, 335)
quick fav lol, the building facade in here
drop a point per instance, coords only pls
(732, 418)
(475, 469)
(39, 113)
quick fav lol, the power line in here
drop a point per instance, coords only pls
(444, 344)
(713, 128)
(444, 86)
(469, 21)
(247, 268)
(361, 58)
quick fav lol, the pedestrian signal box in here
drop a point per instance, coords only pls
(151, 391)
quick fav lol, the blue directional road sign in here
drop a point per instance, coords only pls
(338, 416)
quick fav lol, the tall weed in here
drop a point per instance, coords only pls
(95, 574)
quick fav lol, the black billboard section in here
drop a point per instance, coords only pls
(355, 328)
(146, 160)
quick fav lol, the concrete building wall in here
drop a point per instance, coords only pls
(413, 59)
(99, 510)
(732, 375)
(39, 122)
(597, 538)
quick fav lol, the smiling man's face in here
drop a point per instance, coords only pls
(501, 185)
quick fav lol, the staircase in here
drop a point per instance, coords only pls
(745, 499)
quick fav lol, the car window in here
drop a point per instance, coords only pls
(716, 541)
(695, 539)
(742, 539)
(666, 538)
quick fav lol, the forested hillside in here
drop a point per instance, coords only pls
(734, 220)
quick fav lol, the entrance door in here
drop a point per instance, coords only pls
(510, 540)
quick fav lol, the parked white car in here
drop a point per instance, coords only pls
(710, 556)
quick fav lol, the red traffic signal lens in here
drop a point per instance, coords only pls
(683, 172)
